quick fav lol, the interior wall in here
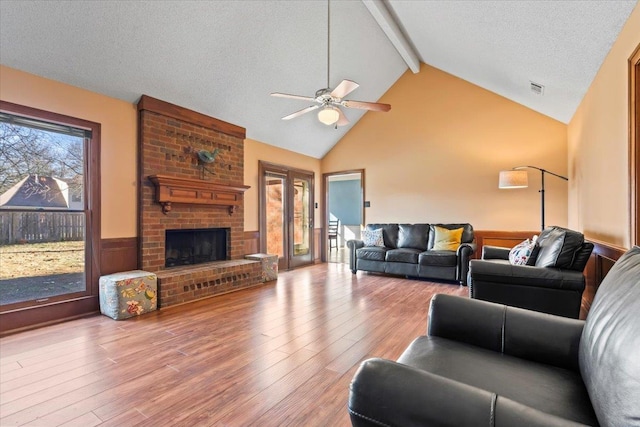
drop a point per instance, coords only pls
(598, 147)
(344, 198)
(435, 157)
(254, 151)
(118, 139)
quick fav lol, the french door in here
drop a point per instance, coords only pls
(286, 214)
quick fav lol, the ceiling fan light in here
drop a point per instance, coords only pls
(328, 115)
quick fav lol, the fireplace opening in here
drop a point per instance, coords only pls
(195, 246)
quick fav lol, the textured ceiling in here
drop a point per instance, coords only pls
(223, 58)
(504, 45)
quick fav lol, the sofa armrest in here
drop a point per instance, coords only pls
(464, 253)
(385, 393)
(467, 249)
(495, 252)
(526, 334)
(525, 275)
(353, 245)
(465, 320)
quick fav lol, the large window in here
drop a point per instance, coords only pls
(49, 213)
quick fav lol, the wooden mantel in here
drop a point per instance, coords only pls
(195, 191)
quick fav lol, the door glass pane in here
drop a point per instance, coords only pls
(42, 218)
(301, 210)
(275, 214)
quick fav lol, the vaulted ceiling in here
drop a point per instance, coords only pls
(224, 58)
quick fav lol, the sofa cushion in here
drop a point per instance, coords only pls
(372, 253)
(414, 236)
(447, 240)
(610, 344)
(558, 247)
(389, 233)
(403, 255)
(550, 389)
(581, 256)
(373, 237)
(438, 258)
(467, 232)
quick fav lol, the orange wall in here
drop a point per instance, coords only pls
(598, 144)
(119, 146)
(254, 151)
(435, 157)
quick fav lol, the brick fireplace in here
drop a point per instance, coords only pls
(178, 191)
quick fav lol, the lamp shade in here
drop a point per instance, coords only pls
(513, 179)
(328, 115)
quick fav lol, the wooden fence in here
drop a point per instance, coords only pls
(23, 227)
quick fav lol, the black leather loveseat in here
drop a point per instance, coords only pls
(486, 364)
(409, 251)
(552, 283)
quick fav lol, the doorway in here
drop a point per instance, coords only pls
(286, 214)
(344, 202)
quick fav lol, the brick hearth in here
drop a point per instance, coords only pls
(169, 139)
(184, 284)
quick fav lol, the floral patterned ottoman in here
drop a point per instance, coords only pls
(128, 294)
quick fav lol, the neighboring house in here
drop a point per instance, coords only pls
(38, 192)
(40, 209)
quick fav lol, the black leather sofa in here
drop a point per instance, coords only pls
(553, 284)
(486, 364)
(408, 251)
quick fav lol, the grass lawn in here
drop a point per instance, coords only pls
(41, 259)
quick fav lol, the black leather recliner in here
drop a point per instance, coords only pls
(553, 285)
(487, 364)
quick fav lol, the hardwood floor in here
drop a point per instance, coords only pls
(340, 254)
(280, 354)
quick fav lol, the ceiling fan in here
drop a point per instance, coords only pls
(329, 101)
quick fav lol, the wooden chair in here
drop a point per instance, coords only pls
(332, 233)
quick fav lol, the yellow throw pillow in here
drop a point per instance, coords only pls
(447, 240)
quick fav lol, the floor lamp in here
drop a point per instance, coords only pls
(519, 178)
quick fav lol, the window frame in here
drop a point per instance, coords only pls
(27, 314)
(634, 146)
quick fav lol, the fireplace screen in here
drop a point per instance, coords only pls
(195, 246)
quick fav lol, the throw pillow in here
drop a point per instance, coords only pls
(534, 251)
(373, 237)
(520, 253)
(447, 240)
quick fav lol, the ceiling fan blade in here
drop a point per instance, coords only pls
(344, 88)
(286, 95)
(373, 106)
(300, 112)
(342, 120)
